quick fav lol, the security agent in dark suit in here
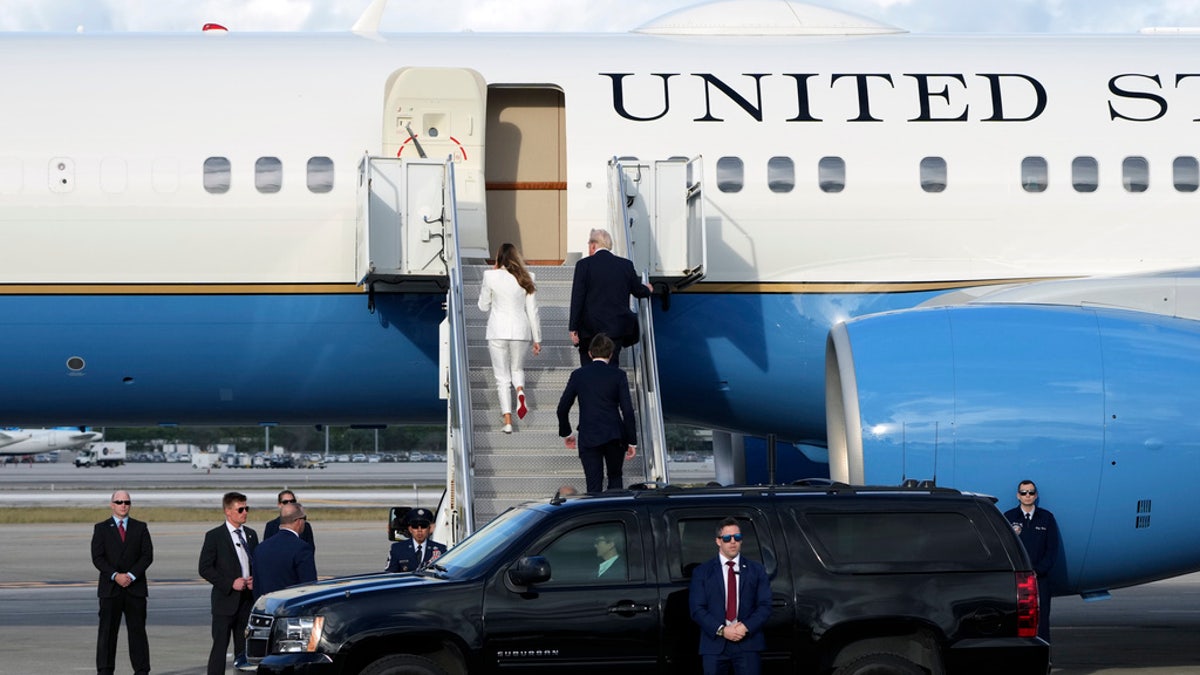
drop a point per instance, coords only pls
(1038, 531)
(225, 561)
(730, 628)
(600, 298)
(286, 560)
(607, 436)
(272, 526)
(419, 550)
(122, 551)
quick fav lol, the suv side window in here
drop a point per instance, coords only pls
(596, 553)
(856, 542)
(694, 533)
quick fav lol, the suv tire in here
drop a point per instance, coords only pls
(403, 664)
(880, 664)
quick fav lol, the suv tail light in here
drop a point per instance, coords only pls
(1027, 604)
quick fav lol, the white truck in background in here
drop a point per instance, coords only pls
(206, 460)
(104, 454)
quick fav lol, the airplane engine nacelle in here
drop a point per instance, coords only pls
(1101, 407)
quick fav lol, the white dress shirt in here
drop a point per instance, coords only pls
(242, 554)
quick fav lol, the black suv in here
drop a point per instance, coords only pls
(863, 580)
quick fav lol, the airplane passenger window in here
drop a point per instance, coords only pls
(1085, 174)
(933, 174)
(268, 174)
(320, 175)
(730, 174)
(1034, 174)
(217, 175)
(831, 174)
(1187, 174)
(781, 174)
(1135, 174)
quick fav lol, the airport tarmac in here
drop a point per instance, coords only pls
(48, 588)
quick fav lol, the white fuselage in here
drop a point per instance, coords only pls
(22, 442)
(131, 120)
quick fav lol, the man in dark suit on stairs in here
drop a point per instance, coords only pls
(600, 298)
(225, 563)
(607, 436)
(122, 551)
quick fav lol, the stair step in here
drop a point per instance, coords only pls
(531, 463)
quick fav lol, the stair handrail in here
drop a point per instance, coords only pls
(650, 426)
(460, 444)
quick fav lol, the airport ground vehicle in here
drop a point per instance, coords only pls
(864, 580)
(205, 460)
(106, 454)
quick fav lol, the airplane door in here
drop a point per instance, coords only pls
(401, 219)
(527, 169)
(435, 113)
(657, 214)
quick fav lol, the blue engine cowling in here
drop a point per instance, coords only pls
(1101, 407)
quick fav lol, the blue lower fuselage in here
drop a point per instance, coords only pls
(752, 362)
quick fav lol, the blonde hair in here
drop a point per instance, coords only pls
(509, 258)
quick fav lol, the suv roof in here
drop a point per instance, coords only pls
(805, 487)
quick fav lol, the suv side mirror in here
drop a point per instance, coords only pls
(533, 569)
(395, 525)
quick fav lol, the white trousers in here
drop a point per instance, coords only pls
(508, 364)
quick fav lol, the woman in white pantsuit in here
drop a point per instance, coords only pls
(509, 296)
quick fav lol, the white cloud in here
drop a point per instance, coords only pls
(572, 15)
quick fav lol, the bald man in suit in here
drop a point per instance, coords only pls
(285, 560)
(122, 551)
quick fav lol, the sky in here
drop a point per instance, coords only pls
(924, 16)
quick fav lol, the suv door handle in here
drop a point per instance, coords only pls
(629, 608)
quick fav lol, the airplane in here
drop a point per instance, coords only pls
(29, 442)
(960, 259)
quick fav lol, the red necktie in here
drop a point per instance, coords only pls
(730, 594)
(121, 529)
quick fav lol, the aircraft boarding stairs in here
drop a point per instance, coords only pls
(415, 236)
(530, 463)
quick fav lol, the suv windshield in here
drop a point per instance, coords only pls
(476, 552)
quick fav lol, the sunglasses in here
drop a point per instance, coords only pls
(419, 526)
(122, 502)
(1026, 493)
(287, 501)
(730, 537)
(242, 509)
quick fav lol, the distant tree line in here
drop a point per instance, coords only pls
(304, 439)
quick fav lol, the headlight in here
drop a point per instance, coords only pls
(298, 634)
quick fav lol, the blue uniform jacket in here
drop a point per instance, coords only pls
(1040, 537)
(403, 555)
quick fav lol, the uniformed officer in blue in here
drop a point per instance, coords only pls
(1039, 534)
(419, 550)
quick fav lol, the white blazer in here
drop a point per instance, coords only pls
(512, 313)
